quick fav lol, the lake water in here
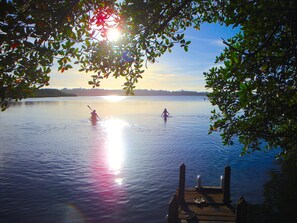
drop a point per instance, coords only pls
(57, 166)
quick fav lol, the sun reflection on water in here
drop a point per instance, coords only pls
(114, 98)
(115, 146)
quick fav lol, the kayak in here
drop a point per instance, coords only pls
(94, 119)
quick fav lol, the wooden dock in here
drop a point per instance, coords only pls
(205, 204)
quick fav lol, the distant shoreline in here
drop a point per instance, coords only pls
(40, 93)
(45, 93)
(140, 92)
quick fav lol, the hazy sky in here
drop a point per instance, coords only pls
(178, 70)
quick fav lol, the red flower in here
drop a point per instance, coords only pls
(14, 45)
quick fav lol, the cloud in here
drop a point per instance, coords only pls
(173, 77)
(218, 42)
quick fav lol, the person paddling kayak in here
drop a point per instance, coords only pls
(94, 115)
(165, 114)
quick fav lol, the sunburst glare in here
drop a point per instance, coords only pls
(113, 34)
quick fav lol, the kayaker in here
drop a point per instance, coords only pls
(94, 115)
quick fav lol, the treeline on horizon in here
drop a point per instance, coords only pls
(104, 92)
(41, 93)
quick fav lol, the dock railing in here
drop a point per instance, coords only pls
(178, 201)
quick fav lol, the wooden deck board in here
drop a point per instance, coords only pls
(212, 209)
(210, 195)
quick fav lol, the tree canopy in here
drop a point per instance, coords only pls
(35, 34)
(256, 88)
(253, 85)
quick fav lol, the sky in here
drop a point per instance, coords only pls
(175, 71)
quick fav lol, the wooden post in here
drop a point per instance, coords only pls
(173, 210)
(241, 211)
(181, 188)
(199, 185)
(226, 185)
(222, 181)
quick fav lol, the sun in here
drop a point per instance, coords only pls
(113, 34)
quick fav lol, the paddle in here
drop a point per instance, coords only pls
(89, 107)
(92, 110)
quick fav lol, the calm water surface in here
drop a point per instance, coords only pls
(57, 166)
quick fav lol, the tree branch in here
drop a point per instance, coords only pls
(257, 50)
(175, 13)
(165, 23)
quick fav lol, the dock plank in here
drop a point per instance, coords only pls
(205, 205)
